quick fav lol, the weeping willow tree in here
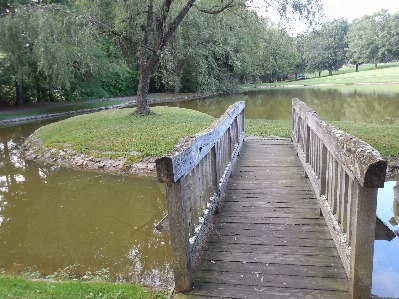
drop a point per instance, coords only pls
(50, 54)
(66, 39)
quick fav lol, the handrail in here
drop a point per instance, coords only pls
(196, 174)
(345, 173)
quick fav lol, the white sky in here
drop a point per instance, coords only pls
(352, 9)
(348, 9)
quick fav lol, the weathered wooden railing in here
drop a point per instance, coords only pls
(345, 173)
(196, 173)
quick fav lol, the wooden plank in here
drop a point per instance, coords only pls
(279, 281)
(329, 251)
(268, 240)
(272, 258)
(287, 233)
(211, 290)
(273, 269)
(267, 220)
(269, 227)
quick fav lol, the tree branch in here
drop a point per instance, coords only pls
(93, 21)
(230, 4)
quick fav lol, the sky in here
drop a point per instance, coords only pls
(348, 9)
(352, 9)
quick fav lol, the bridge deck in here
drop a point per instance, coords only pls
(268, 241)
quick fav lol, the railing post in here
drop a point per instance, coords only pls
(364, 203)
(178, 228)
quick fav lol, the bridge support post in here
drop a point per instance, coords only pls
(179, 232)
(363, 208)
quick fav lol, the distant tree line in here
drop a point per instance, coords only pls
(52, 50)
(371, 39)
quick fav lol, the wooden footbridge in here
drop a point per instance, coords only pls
(269, 238)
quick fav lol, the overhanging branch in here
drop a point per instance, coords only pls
(92, 20)
(218, 10)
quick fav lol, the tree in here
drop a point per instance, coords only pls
(325, 48)
(300, 46)
(16, 47)
(163, 25)
(313, 50)
(218, 51)
(368, 39)
(142, 30)
(393, 31)
(334, 44)
(282, 54)
(51, 55)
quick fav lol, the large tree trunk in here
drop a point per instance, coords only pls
(375, 65)
(149, 58)
(330, 72)
(19, 93)
(357, 67)
(142, 106)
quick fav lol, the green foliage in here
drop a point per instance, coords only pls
(121, 132)
(325, 48)
(17, 287)
(369, 39)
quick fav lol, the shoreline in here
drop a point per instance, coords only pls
(127, 104)
(110, 162)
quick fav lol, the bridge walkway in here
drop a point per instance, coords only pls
(269, 240)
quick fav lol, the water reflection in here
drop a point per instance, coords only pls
(53, 218)
(395, 218)
(385, 262)
(349, 104)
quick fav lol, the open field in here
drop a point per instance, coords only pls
(388, 73)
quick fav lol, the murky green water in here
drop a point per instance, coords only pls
(54, 219)
(339, 104)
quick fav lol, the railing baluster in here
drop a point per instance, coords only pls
(193, 173)
(191, 201)
(345, 173)
(344, 204)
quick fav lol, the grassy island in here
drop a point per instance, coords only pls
(118, 131)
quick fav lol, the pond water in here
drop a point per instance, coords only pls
(54, 219)
(332, 104)
(61, 220)
(386, 261)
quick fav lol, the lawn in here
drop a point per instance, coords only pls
(386, 73)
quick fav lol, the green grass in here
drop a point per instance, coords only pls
(268, 128)
(13, 287)
(120, 131)
(384, 138)
(387, 73)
